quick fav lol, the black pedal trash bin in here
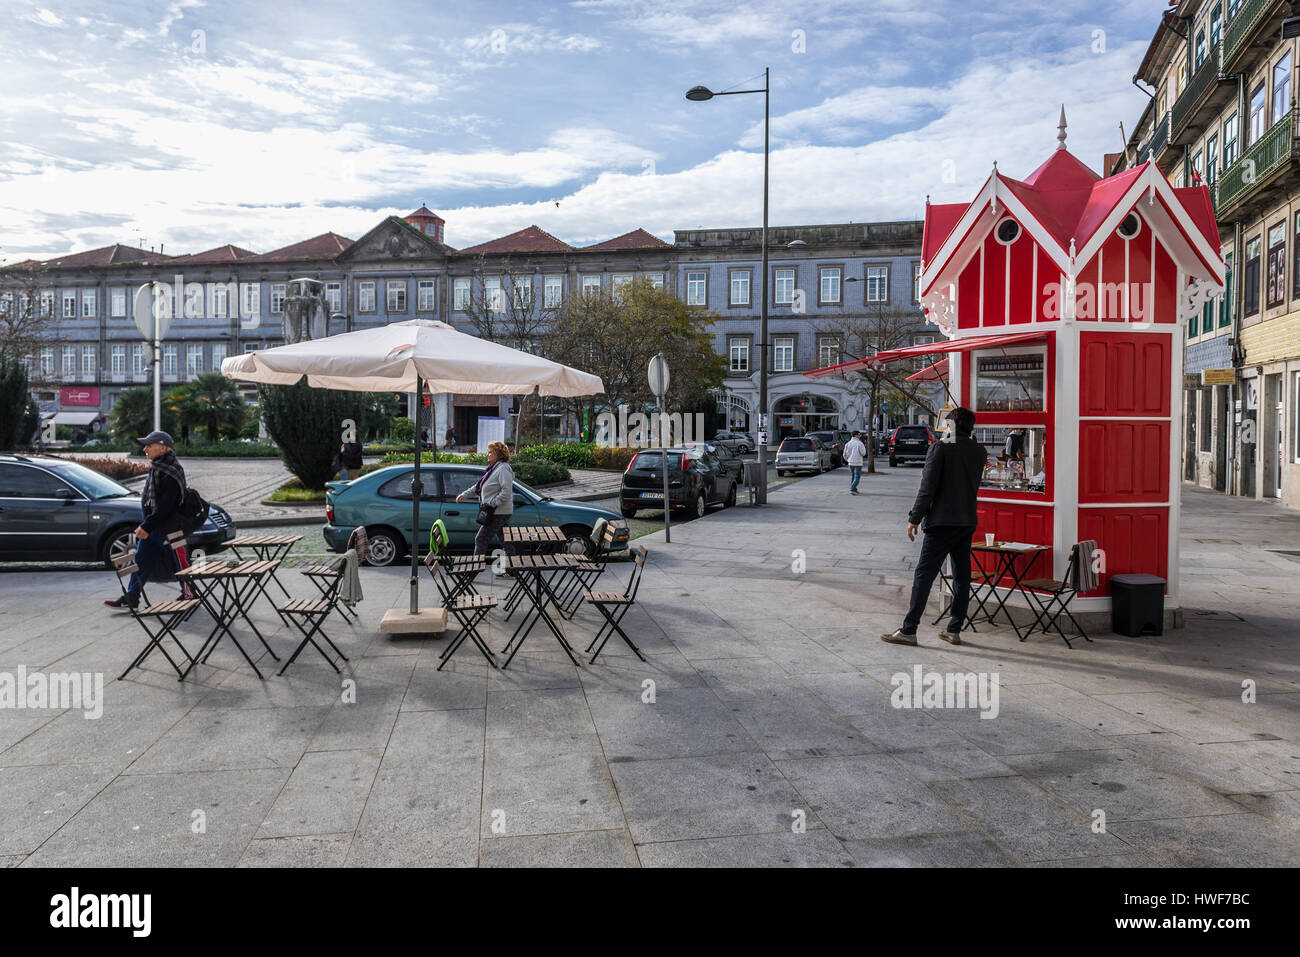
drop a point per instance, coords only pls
(1137, 605)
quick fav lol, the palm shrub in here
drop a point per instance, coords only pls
(132, 415)
(213, 403)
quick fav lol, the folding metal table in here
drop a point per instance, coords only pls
(1004, 566)
(268, 548)
(531, 579)
(225, 589)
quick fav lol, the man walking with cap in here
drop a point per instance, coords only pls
(855, 453)
(946, 503)
(164, 487)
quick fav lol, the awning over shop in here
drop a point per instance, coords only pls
(935, 373)
(75, 418)
(967, 344)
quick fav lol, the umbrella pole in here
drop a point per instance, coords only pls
(417, 488)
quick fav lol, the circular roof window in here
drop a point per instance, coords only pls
(1131, 226)
(1008, 231)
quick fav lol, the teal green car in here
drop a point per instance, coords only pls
(381, 501)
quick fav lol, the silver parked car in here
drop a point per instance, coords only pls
(803, 454)
(738, 442)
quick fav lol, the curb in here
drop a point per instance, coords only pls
(277, 520)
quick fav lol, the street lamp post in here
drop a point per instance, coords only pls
(700, 93)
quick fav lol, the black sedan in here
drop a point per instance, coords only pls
(696, 480)
(55, 510)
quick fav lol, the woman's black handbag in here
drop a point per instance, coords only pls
(484, 516)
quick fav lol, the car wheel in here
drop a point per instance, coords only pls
(781, 473)
(742, 449)
(700, 506)
(893, 462)
(731, 497)
(119, 542)
(628, 512)
(577, 540)
(386, 547)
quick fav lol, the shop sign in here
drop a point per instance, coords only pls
(1218, 376)
(79, 396)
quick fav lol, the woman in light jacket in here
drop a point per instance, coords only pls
(497, 489)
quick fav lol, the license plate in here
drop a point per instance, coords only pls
(652, 494)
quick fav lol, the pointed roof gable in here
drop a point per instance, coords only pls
(324, 246)
(530, 239)
(115, 255)
(940, 218)
(404, 241)
(636, 239)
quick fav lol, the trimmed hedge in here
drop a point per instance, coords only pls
(117, 469)
(612, 458)
(293, 491)
(576, 455)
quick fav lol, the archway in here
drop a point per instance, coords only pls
(804, 413)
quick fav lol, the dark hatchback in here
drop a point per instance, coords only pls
(55, 510)
(696, 480)
(835, 440)
(910, 443)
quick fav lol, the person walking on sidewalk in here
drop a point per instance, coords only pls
(855, 453)
(496, 492)
(946, 505)
(160, 501)
(350, 459)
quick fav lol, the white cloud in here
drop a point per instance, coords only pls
(46, 18)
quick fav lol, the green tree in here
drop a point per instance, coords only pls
(210, 402)
(132, 415)
(307, 424)
(14, 398)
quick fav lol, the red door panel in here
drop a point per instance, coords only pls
(1132, 541)
(1124, 374)
(1123, 461)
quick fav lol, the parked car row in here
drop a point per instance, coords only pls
(699, 475)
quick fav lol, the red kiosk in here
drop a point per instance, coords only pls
(1064, 297)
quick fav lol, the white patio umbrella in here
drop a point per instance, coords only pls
(410, 357)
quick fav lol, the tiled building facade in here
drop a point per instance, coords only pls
(230, 300)
(1224, 112)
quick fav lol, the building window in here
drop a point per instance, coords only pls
(366, 298)
(590, 287)
(1281, 87)
(395, 296)
(552, 294)
(697, 291)
(617, 282)
(47, 303)
(137, 362)
(88, 364)
(70, 364)
(1277, 265)
(916, 284)
(459, 302)
(877, 285)
(1206, 429)
(193, 293)
(1216, 25)
(1250, 278)
(1258, 114)
(1211, 159)
(921, 340)
(426, 299)
(1199, 59)
(492, 298)
(119, 362)
(70, 309)
(739, 349)
(117, 304)
(656, 280)
(1198, 164)
(334, 297)
(1229, 143)
(219, 356)
(783, 287)
(220, 304)
(828, 352)
(277, 300)
(253, 300)
(782, 355)
(47, 368)
(253, 347)
(829, 285)
(170, 354)
(523, 299)
(1225, 301)
(739, 282)
(194, 361)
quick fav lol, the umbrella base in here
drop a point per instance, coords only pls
(400, 621)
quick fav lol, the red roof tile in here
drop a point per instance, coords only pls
(324, 246)
(423, 211)
(115, 255)
(532, 239)
(636, 239)
(222, 254)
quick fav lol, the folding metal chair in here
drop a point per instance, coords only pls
(308, 616)
(167, 614)
(469, 610)
(569, 597)
(603, 601)
(322, 574)
(1053, 597)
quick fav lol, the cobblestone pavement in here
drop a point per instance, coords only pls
(762, 730)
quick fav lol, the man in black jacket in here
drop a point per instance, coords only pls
(946, 504)
(160, 502)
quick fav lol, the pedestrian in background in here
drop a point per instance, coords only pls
(350, 459)
(451, 438)
(946, 504)
(495, 491)
(160, 501)
(855, 454)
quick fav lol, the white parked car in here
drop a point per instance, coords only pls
(803, 454)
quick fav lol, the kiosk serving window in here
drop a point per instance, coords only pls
(1017, 458)
(1010, 381)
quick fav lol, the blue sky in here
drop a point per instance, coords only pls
(197, 123)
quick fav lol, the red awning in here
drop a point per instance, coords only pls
(929, 348)
(935, 373)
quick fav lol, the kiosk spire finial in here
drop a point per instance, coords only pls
(1060, 136)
